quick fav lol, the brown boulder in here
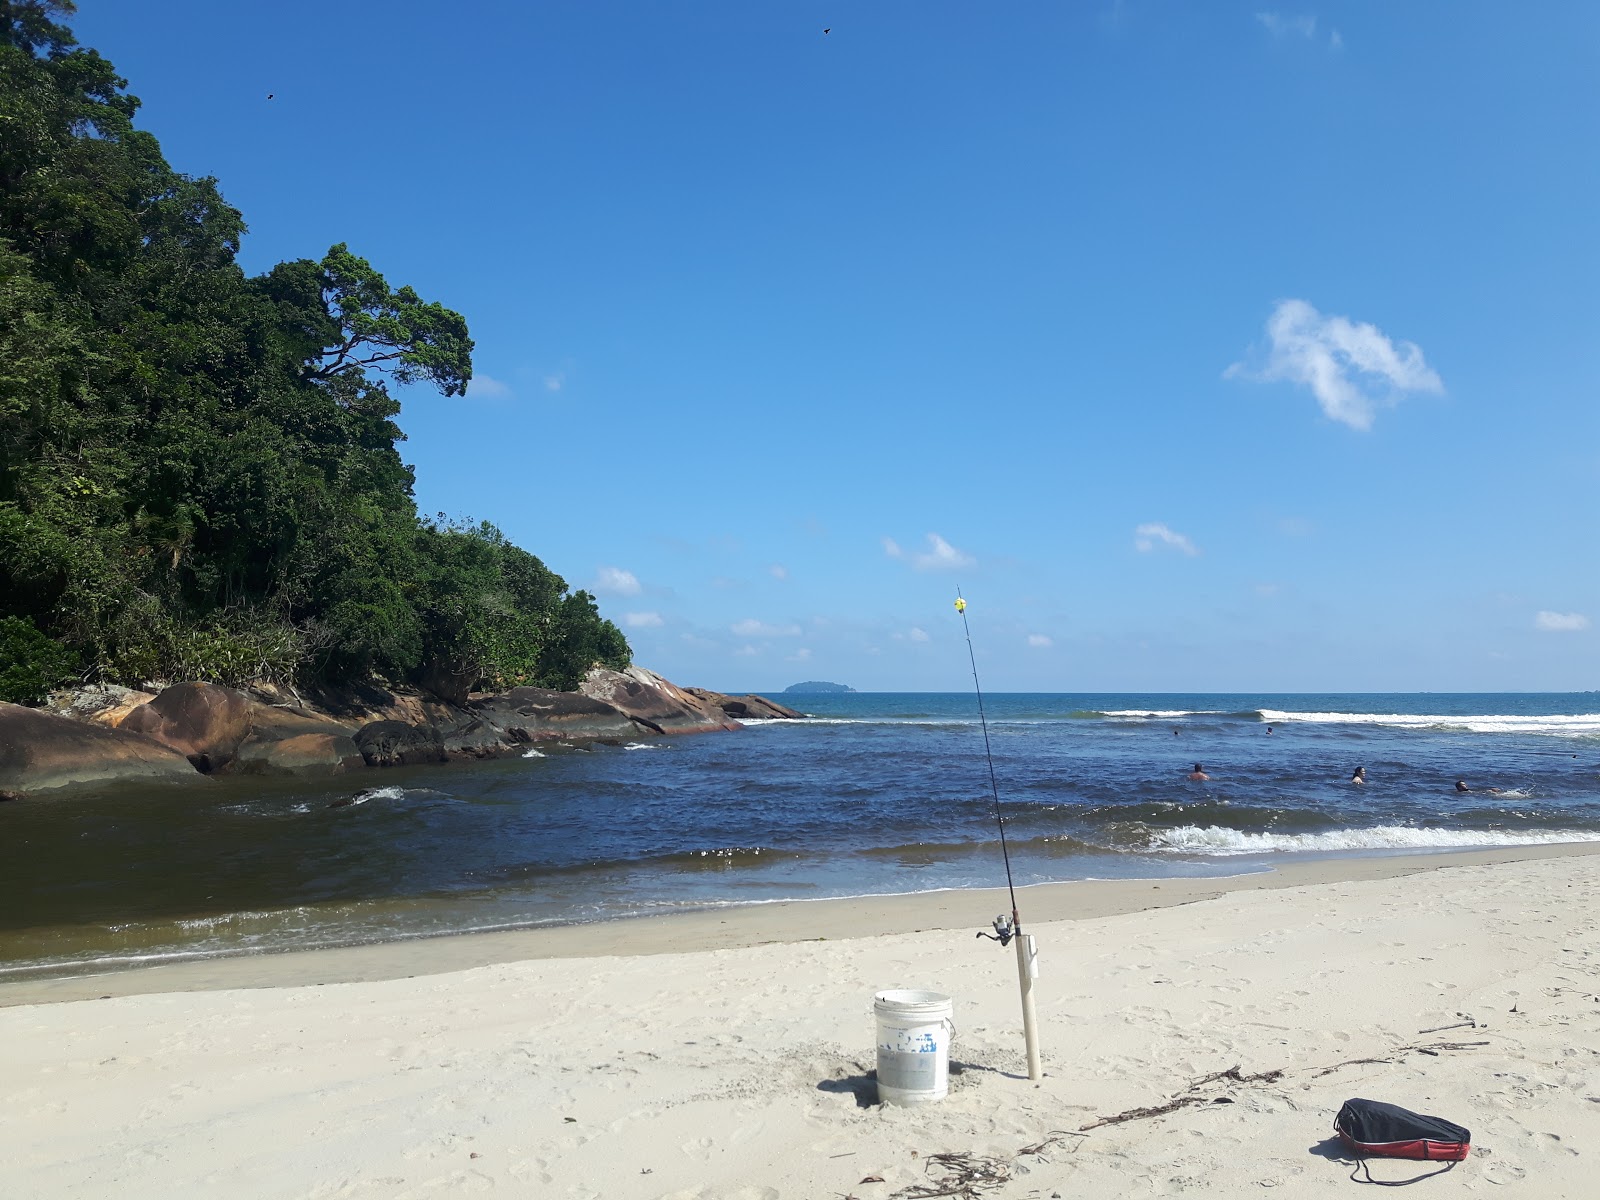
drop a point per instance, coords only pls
(312, 754)
(747, 708)
(294, 741)
(40, 751)
(652, 701)
(531, 714)
(203, 721)
(396, 744)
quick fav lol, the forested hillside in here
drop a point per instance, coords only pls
(198, 472)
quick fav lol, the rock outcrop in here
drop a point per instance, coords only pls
(530, 714)
(746, 708)
(40, 751)
(294, 741)
(397, 744)
(203, 721)
(190, 728)
(659, 706)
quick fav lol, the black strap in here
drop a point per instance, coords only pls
(1361, 1165)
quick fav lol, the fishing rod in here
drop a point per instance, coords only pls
(1007, 928)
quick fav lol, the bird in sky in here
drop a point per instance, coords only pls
(269, 95)
(829, 29)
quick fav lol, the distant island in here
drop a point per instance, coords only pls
(816, 685)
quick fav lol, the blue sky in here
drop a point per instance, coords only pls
(1204, 346)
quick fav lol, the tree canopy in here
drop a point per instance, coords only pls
(198, 469)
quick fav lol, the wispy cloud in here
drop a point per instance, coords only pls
(917, 635)
(1268, 590)
(1040, 641)
(746, 652)
(555, 381)
(799, 655)
(778, 571)
(1554, 622)
(751, 628)
(614, 581)
(1146, 537)
(1350, 367)
(488, 387)
(1287, 26)
(643, 620)
(940, 555)
(1280, 25)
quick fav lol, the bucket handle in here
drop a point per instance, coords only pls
(950, 1024)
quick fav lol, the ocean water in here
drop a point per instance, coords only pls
(875, 793)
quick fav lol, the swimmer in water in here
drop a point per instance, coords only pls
(1360, 777)
(1461, 786)
(1198, 775)
(1269, 728)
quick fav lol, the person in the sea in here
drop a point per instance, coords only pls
(1360, 777)
(1198, 774)
(1461, 786)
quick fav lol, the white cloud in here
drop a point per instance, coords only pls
(917, 635)
(488, 387)
(1039, 640)
(940, 555)
(555, 382)
(746, 652)
(799, 655)
(1349, 367)
(1554, 622)
(1145, 538)
(778, 571)
(614, 581)
(1336, 40)
(752, 628)
(643, 620)
(1281, 26)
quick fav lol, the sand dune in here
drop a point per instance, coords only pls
(742, 1073)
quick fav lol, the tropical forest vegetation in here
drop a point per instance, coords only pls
(199, 477)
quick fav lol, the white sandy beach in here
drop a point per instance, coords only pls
(725, 1055)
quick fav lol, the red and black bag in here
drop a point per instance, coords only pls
(1370, 1127)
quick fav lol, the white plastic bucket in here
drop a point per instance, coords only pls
(914, 1032)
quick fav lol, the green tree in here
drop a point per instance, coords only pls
(199, 473)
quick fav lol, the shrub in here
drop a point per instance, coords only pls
(30, 663)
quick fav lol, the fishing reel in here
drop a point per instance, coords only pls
(1003, 930)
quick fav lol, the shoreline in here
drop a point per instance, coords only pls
(1199, 1048)
(741, 926)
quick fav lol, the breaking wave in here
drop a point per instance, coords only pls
(1214, 839)
(1559, 725)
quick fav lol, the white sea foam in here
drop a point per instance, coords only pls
(1559, 725)
(645, 746)
(383, 793)
(1214, 839)
(533, 754)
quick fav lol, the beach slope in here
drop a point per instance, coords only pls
(1467, 990)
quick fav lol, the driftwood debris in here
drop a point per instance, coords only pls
(1233, 1075)
(968, 1176)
